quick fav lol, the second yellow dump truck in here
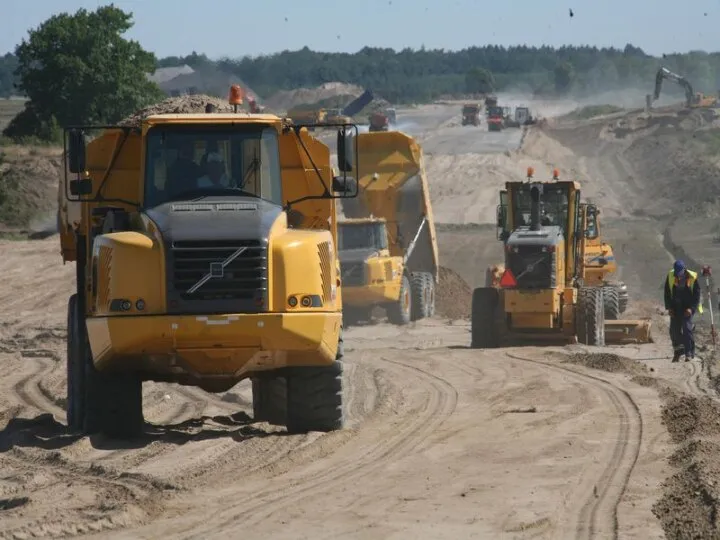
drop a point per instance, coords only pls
(206, 253)
(387, 241)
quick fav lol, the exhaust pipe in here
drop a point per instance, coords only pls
(535, 208)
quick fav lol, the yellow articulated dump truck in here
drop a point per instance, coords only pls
(553, 284)
(309, 118)
(387, 243)
(205, 248)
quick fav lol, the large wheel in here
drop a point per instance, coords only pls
(483, 329)
(591, 316)
(420, 290)
(315, 396)
(399, 312)
(113, 401)
(270, 399)
(75, 404)
(611, 303)
(431, 294)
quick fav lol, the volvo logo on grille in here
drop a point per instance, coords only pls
(217, 270)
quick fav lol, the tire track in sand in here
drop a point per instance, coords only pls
(598, 514)
(411, 432)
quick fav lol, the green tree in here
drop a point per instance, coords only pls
(78, 69)
(479, 80)
(564, 74)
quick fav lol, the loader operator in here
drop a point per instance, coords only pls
(682, 300)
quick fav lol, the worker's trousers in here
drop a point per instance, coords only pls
(681, 335)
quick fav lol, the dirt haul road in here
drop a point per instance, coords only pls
(442, 441)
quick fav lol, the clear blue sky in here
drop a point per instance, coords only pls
(236, 28)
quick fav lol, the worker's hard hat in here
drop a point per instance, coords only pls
(679, 267)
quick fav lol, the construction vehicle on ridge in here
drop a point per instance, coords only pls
(308, 118)
(471, 114)
(205, 251)
(692, 99)
(553, 285)
(387, 241)
(495, 118)
(378, 122)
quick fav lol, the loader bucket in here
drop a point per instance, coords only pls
(623, 332)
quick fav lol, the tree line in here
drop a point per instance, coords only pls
(85, 74)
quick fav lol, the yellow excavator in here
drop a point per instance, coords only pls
(692, 99)
(205, 252)
(387, 241)
(553, 286)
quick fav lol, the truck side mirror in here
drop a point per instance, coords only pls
(76, 151)
(81, 187)
(345, 152)
(344, 185)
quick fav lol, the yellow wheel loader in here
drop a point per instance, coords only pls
(552, 287)
(387, 243)
(205, 248)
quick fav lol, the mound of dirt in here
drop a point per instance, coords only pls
(608, 362)
(453, 298)
(28, 186)
(287, 99)
(689, 503)
(177, 105)
(688, 416)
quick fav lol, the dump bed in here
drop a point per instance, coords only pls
(393, 185)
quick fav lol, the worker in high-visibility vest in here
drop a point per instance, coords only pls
(682, 301)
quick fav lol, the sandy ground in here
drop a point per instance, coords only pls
(442, 441)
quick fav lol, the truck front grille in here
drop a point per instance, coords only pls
(353, 274)
(532, 267)
(219, 269)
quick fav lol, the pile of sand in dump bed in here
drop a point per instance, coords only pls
(177, 105)
(453, 297)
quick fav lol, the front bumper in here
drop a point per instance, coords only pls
(211, 346)
(370, 295)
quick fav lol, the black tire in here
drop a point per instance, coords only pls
(270, 399)
(112, 401)
(314, 398)
(74, 406)
(611, 303)
(399, 312)
(483, 327)
(431, 294)
(420, 295)
(591, 316)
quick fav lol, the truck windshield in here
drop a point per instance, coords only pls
(553, 206)
(362, 236)
(193, 161)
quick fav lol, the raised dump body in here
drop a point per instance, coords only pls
(553, 285)
(388, 247)
(191, 268)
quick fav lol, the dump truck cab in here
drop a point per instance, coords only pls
(369, 272)
(553, 285)
(205, 248)
(471, 114)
